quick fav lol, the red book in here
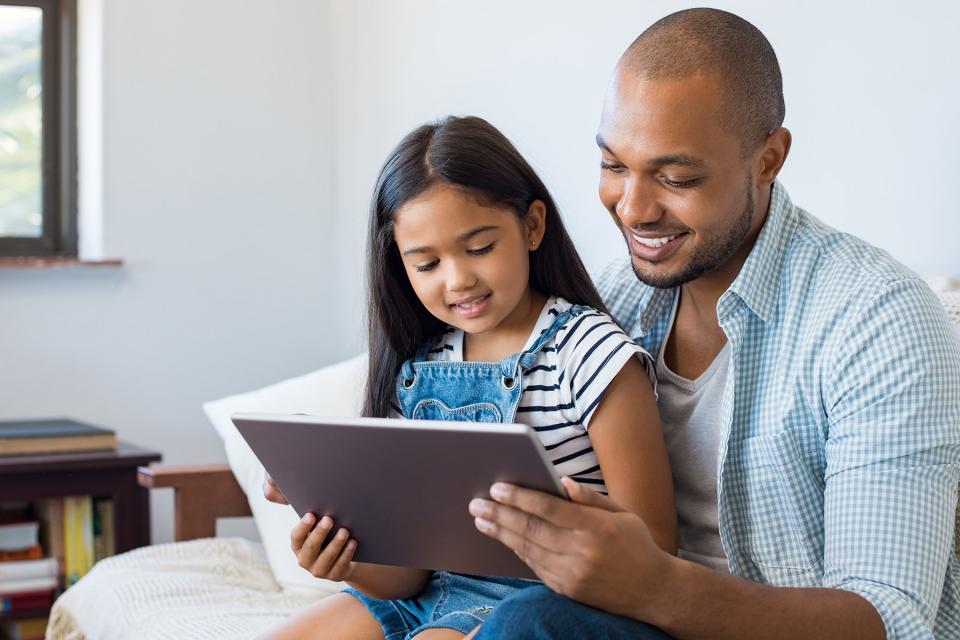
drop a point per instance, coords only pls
(32, 553)
(26, 601)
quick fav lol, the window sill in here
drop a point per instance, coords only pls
(51, 262)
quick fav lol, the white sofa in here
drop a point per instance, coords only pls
(226, 587)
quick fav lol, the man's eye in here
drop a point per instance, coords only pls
(427, 267)
(606, 166)
(681, 184)
(481, 250)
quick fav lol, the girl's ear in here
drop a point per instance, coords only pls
(535, 224)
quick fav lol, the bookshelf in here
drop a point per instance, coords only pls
(102, 474)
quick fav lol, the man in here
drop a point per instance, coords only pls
(809, 387)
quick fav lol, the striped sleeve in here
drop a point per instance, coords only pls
(591, 350)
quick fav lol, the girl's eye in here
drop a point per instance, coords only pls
(427, 267)
(481, 250)
(606, 166)
(681, 184)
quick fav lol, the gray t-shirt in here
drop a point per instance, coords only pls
(690, 412)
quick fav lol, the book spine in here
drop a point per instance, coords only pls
(71, 549)
(8, 587)
(103, 544)
(86, 534)
(33, 553)
(51, 514)
(45, 568)
(26, 601)
(109, 528)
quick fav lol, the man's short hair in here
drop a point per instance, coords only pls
(726, 46)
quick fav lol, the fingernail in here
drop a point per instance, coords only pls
(478, 508)
(342, 534)
(326, 522)
(499, 491)
(483, 525)
(307, 518)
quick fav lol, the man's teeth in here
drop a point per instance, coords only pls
(653, 243)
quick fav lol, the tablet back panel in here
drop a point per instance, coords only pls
(401, 486)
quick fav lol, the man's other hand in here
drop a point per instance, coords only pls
(588, 549)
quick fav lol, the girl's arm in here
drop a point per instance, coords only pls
(626, 436)
(388, 583)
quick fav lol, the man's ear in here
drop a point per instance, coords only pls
(535, 224)
(771, 156)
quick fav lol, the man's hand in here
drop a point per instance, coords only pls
(272, 492)
(588, 549)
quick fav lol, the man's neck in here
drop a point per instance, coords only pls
(703, 293)
(696, 337)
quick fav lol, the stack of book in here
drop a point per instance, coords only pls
(28, 581)
(36, 437)
(45, 547)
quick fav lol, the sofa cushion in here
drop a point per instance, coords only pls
(334, 391)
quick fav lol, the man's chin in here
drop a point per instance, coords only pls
(660, 277)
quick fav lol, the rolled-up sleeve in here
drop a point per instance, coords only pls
(893, 457)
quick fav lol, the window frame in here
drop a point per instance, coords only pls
(59, 134)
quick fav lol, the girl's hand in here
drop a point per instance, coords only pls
(272, 492)
(333, 561)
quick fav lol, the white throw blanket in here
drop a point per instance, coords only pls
(212, 588)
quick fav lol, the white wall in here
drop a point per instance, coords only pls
(218, 196)
(869, 89)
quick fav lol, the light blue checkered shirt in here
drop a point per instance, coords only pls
(840, 452)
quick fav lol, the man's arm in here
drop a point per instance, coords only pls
(890, 492)
(592, 551)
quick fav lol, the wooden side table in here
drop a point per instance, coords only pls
(101, 474)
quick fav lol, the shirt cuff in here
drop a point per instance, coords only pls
(901, 618)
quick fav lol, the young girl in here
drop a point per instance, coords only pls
(481, 310)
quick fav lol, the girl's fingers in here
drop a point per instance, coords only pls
(343, 567)
(310, 548)
(300, 531)
(327, 558)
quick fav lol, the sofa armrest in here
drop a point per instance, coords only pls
(201, 495)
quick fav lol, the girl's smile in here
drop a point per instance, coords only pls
(472, 307)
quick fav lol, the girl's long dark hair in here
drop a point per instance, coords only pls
(468, 154)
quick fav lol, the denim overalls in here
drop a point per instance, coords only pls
(470, 391)
(465, 392)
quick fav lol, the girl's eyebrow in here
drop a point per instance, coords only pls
(463, 237)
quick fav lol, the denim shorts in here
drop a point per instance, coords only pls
(448, 601)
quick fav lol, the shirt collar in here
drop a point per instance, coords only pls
(758, 283)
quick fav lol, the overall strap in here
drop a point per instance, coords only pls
(528, 357)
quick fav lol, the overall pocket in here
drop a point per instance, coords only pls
(433, 409)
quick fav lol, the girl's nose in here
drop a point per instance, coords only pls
(459, 278)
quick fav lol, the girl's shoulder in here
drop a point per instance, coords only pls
(588, 332)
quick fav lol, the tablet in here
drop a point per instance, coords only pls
(402, 487)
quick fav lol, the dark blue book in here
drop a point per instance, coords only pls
(31, 437)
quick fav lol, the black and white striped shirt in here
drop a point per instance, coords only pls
(566, 383)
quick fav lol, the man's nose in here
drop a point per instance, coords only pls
(638, 205)
(459, 276)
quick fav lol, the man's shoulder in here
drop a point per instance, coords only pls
(842, 259)
(836, 280)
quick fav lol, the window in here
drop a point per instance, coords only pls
(38, 166)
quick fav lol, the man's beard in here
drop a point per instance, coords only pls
(709, 257)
